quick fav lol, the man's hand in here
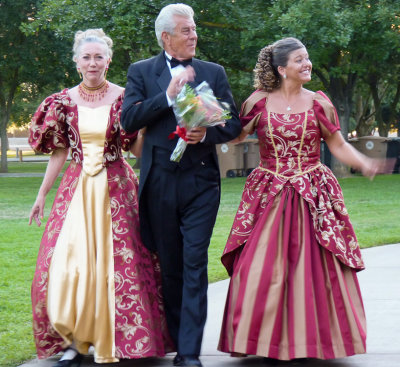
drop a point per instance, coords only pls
(195, 135)
(177, 82)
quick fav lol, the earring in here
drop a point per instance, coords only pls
(105, 74)
(79, 73)
(284, 76)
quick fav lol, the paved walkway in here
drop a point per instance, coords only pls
(380, 286)
(41, 158)
(25, 174)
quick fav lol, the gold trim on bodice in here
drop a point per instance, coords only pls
(292, 176)
(300, 171)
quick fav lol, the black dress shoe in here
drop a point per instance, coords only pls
(298, 361)
(271, 361)
(178, 359)
(190, 361)
(76, 361)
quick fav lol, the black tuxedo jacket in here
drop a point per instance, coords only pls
(145, 104)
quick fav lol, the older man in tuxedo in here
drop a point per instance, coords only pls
(178, 202)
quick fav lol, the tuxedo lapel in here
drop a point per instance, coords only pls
(162, 71)
(164, 79)
(199, 76)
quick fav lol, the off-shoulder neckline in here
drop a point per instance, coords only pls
(65, 94)
(293, 113)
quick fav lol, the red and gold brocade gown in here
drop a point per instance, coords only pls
(95, 283)
(292, 253)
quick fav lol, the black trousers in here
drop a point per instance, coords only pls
(182, 206)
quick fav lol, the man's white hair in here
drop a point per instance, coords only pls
(165, 20)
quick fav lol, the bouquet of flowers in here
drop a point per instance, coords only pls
(193, 108)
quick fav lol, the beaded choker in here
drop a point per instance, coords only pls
(93, 94)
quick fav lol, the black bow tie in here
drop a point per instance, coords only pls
(174, 62)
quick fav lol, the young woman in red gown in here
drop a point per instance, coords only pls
(292, 253)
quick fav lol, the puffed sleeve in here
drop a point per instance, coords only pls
(251, 111)
(326, 114)
(48, 128)
(126, 138)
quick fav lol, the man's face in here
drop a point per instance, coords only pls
(182, 43)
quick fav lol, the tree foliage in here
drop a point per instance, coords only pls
(354, 44)
(29, 66)
(342, 37)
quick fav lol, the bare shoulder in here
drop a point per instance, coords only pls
(73, 92)
(308, 96)
(308, 93)
(115, 88)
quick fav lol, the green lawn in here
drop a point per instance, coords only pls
(37, 167)
(374, 208)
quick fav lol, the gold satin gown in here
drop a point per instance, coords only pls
(81, 290)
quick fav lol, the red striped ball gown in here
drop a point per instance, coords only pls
(292, 253)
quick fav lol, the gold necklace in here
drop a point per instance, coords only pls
(93, 94)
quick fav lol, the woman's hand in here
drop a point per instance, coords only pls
(37, 211)
(56, 163)
(371, 167)
(347, 154)
(243, 135)
(137, 146)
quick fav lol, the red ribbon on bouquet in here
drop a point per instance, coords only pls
(180, 131)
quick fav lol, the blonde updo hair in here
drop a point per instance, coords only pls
(266, 75)
(89, 36)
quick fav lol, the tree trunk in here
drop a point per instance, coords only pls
(382, 126)
(5, 113)
(4, 143)
(383, 129)
(342, 94)
(364, 117)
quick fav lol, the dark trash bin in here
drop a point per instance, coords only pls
(326, 155)
(393, 151)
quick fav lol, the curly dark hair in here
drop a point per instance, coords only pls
(266, 75)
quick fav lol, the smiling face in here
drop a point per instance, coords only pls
(182, 43)
(298, 67)
(92, 63)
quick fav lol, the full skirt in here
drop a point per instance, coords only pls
(95, 283)
(288, 296)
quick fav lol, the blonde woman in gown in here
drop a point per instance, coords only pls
(95, 283)
(292, 253)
